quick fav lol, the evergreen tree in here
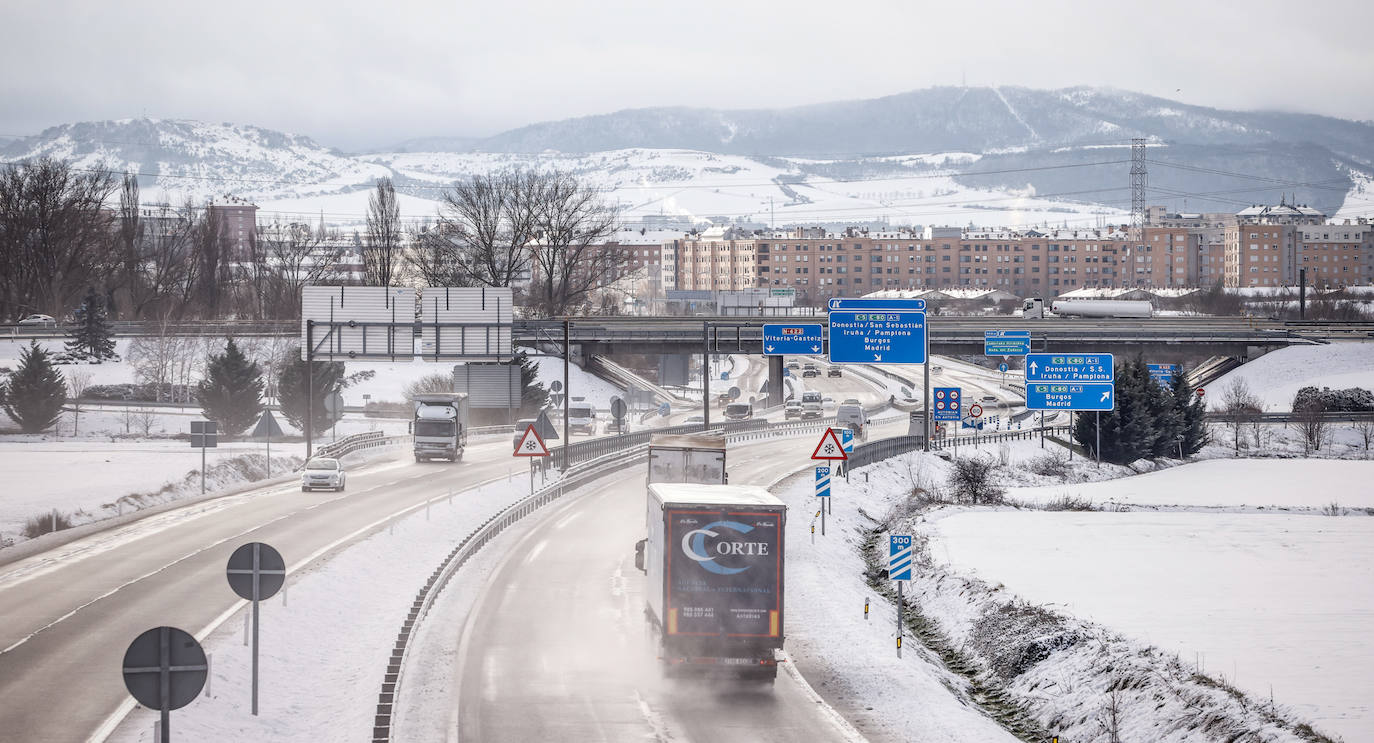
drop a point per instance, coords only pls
(1126, 432)
(1191, 413)
(292, 388)
(231, 393)
(36, 391)
(91, 337)
(533, 396)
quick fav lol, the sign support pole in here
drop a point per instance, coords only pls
(1042, 429)
(567, 391)
(706, 375)
(925, 414)
(1097, 427)
(257, 556)
(900, 603)
(531, 476)
(823, 517)
(309, 386)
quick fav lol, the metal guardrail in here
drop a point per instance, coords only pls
(1326, 416)
(357, 442)
(866, 454)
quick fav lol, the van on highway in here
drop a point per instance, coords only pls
(738, 411)
(581, 418)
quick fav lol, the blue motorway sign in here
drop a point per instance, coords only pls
(872, 337)
(823, 482)
(1070, 396)
(899, 556)
(1070, 367)
(1163, 373)
(1006, 342)
(793, 339)
(947, 404)
(905, 305)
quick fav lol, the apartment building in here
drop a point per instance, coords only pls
(238, 220)
(1260, 246)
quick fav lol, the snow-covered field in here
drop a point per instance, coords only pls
(1274, 604)
(1275, 377)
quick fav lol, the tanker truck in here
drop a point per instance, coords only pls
(1034, 308)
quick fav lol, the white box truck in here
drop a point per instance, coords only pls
(714, 590)
(696, 457)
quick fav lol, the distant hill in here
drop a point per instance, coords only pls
(1017, 140)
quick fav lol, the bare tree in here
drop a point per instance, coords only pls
(429, 383)
(55, 237)
(129, 246)
(1365, 429)
(1311, 418)
(295, 256)
(571, 257)
(77, 382)
(486, 225)
(381, 255)
(211, 262)
(1240, 406)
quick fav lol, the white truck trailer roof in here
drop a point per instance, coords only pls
(692, 494)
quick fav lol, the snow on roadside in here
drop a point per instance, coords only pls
(581, 383)
(1059, 667)
(1269, 602)
(852, 661)
(337, 619)
(1276, 376)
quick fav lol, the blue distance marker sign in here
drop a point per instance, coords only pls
(1006, 342)
(1070, 396)
(847, 440)
(899, 556)
(947, 405)
(793, 339)
(823, 482)
(1070, 367)
(869, 337)
(905, 305)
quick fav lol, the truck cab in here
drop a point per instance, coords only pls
(440, 425)
(1033, 309)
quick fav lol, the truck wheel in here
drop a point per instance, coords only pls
(304, 489)
(418, 460)
(458, 457)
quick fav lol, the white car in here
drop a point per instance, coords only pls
(38, 320)
(323, 472)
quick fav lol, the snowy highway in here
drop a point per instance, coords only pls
(557, 646)
(66, 615)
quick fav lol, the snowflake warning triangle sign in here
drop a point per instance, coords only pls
(830, 447)
(531, 445)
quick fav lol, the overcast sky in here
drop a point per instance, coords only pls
(357, 75)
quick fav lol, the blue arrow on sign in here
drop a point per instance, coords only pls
(876, 337)
(1070, 396)
(823, 482)
(899, 557)
(793, 339)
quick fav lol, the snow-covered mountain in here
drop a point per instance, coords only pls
(987, 156)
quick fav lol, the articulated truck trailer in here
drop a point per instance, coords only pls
(714, 590)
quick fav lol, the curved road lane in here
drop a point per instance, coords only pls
(557, 647)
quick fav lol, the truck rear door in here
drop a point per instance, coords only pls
(724, 575)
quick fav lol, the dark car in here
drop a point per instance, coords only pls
(834, 371)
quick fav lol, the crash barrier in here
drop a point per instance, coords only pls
(357, 442)
(866, 454)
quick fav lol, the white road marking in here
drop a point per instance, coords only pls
(535, 552)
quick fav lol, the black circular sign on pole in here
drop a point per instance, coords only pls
(259, 560)
(555, 386)
(734, 393)
(617, 408)
(165, 669)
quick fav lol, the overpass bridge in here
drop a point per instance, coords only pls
(948, 334)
